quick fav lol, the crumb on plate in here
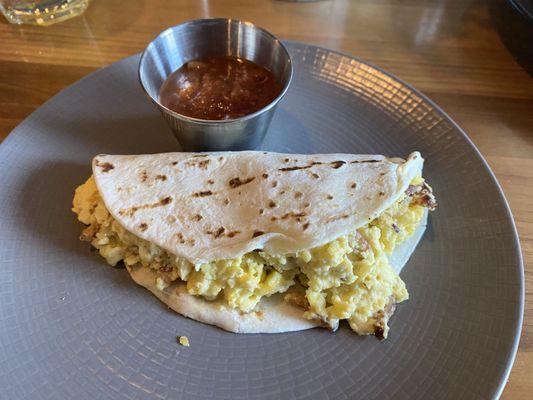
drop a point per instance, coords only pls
(184, 341)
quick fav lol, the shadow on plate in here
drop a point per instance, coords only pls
(53, 229)
(145, 133)
(287, 134)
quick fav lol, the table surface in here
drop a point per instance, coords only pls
(448, 49)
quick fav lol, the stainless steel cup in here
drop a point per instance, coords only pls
(214, 37)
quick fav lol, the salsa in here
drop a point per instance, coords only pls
(218, 88)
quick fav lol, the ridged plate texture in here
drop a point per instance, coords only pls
(73, 327)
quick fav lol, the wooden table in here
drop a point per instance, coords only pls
(448, 49)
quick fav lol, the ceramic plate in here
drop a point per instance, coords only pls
(73, 327)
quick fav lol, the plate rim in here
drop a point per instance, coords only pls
(511, 356)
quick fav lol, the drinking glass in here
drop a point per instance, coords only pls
(41, 12)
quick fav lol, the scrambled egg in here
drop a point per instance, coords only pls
(348, 278)
(184, 341)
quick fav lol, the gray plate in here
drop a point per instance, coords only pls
(72, 327)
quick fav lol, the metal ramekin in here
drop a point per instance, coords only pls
(214, 37)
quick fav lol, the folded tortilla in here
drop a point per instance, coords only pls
(316, 223)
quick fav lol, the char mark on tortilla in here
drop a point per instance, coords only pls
(364, 161)
(333, 164)
(197, 217)
(202, 194)
(180, 237)
(343, 216)
(202, 164)
(105, 166)
(129, 212)
(143, 176)
(236, 182)
(218, 233)
(337, 164)
(293, 215)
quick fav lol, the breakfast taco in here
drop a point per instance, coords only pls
(258, 241)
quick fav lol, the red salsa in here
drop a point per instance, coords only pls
(217, 88)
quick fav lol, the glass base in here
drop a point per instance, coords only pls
(42, 12)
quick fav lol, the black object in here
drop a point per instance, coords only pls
(514, 21)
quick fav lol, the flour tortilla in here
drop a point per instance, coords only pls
(210, 206)
(273, 315)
